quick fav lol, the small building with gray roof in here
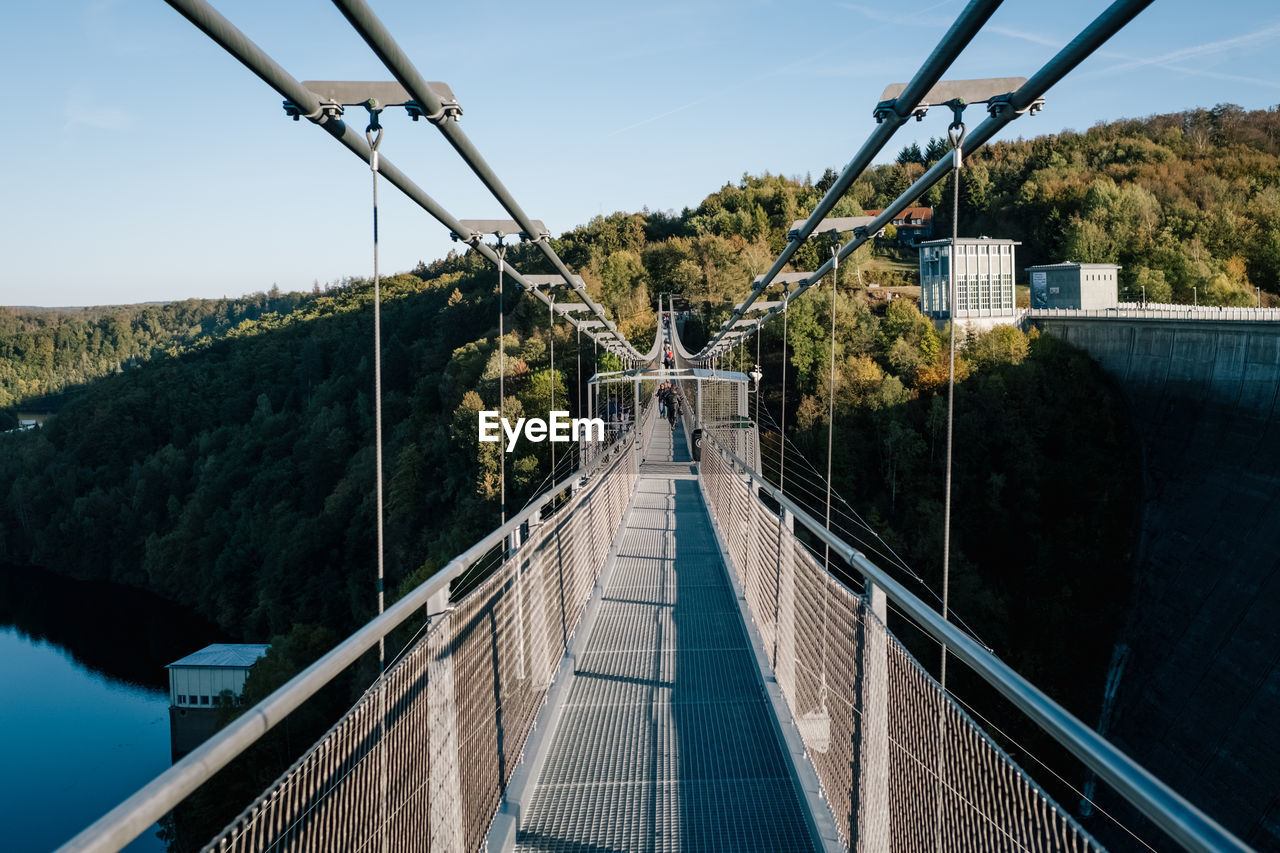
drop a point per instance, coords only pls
(1074, 285)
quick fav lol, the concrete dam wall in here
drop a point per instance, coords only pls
(1199, 697)
(1226, 364)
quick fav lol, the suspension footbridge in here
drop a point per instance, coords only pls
(658, 652)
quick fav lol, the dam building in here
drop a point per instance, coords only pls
(200, 684)
(984, 281)
(1091, 287)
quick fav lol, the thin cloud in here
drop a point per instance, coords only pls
(660, 116)
(874, 14)
(1171, 60)
(1206, 49)
(81, 110)
(1025, 36)
(915, 19)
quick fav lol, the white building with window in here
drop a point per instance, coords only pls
(204, 679)
(984, 281)
(203, 683)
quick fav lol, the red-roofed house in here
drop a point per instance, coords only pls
(913, 223)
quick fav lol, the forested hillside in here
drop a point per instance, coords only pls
(1179, 201)
(232, 470)
(45, 351)
(237, 476)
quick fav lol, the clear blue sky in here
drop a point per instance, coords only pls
(143, 163)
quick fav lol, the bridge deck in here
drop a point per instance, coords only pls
(666, 740)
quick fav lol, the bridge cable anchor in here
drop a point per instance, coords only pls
(373, 133)
(956, 130)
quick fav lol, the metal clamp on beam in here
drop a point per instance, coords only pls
(996, 106)
(333, 95)
(323, 113)
(833, 225)
(450, 109)
(979, 91)
(502, 228)
(888, 108)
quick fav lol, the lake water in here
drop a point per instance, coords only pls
(84, 718)
(73, 744)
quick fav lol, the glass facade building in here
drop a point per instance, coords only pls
(984, 279)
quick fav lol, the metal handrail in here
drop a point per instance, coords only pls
(157, 798)
(1170, 811)
(1185, 313)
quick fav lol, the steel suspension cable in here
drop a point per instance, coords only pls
(831, 431)
(782, 467)
(831, 397)
(782, 426)
(759, 337)
(551, 340)
(502, 374)
(956, 134)
(375, 140)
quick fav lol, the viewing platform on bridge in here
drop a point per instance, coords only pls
(666, 738)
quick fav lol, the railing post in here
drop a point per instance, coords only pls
(444, 774)
(517, 566)
(874, 830)
(538, 654)
(784, 643)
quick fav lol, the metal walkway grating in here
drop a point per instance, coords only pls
(666, 741)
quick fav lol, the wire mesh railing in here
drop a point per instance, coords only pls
(422, 759)
(865, 708)
(902, 766)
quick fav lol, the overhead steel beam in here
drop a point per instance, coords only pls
(957, 37)
(506, 228)
(780, 278)
(310, 106)
(359, 14)
(979, 91)
(1001, 111)
(375, 94)
(831, 225)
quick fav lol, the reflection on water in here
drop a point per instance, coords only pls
(84, 718)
